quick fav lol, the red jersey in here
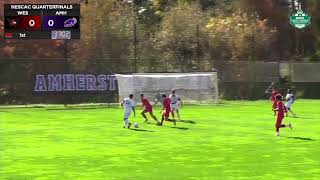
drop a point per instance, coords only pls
(281, 108)
(146, 103)
(167, 103)
(274, 93)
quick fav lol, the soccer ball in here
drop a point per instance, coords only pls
(136, 125)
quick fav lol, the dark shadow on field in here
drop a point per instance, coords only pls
(76, 108)
(298, 117)
(187, 121)
(301, 138)
(144, 130)
(181, 128)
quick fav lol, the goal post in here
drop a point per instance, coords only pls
(191, 87)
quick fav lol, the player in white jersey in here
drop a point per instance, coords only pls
(176, 103)
(128, 104)
(290, 98)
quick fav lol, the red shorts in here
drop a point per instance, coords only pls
(147, 109)
(166, 113)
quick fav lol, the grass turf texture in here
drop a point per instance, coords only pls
(234, 140)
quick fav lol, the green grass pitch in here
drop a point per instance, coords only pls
(233, 140)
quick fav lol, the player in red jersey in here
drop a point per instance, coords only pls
(281, 109)
(273, 93)
(166, 109)
(147, 108)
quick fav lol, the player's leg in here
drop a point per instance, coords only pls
(280, 125)
(293, 114)
(172, 112)
(290, 110)
(154, 117)
(126, 120)
(162, 119)
(167, 113)
(165, 117)
(178, 114)
(143, 113)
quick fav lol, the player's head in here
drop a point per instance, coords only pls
(141, 95)
(289, 91)
(131, 96)
(173, 91)
(278, 97)
(163, 96)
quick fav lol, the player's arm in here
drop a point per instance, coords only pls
(180, 102)
(268, 90)
(121, 104)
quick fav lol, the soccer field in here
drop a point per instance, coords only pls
(233, 140)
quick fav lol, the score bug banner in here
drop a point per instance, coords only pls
(42, 21)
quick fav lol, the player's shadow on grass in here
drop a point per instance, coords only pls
(298, 117)
(301, 138)
(143, 130)
(70, 109)
(187, 121)
(181, 128)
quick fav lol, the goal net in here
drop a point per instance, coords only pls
(191, 87)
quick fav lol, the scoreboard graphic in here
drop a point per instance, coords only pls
(42, 21)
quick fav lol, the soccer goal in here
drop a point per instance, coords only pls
(191, 87)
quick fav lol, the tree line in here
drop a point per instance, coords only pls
(184, 35)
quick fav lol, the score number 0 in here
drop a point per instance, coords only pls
(32, 22)
(51, 22)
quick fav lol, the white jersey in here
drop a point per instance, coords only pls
(290, 98)
(174, 99)
(128, 104)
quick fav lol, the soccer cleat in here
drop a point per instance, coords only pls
(277, 134)
(129, 125)
(174, 122)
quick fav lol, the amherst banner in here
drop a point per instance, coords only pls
(75, 82)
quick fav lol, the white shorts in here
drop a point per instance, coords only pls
(175, 106)
(127, 114)
(288, 105)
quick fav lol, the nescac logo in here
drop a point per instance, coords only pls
(75, 82)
